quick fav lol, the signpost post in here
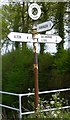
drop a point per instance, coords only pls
(34, 34)
(34, 38)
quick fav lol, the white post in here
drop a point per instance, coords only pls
(20, 110)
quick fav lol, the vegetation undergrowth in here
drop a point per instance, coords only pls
(52, 109)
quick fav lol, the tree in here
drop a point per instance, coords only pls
(21, 22)
(47, 12)
(67, 21)
(14, 18)
(10, 20)
(60, 22)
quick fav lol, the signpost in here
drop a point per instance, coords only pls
(44, 26)
(34, 38)
(21, 37)
(42, 38)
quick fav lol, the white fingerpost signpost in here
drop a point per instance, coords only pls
(21, 37)
(35, 38)
(49, 38)
(38, 38)
(44, 26)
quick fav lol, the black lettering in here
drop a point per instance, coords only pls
(17, 36)
(44, 26)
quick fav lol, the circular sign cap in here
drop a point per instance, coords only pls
(30, 11)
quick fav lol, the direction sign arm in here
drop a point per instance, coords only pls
(50, 28)
(44, 26)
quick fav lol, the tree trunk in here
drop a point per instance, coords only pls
(41, 48)
(60, 23)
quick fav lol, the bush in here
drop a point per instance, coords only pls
(54, 103)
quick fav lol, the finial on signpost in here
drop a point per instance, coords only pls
(37, 13)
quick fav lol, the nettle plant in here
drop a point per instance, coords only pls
(51, 108)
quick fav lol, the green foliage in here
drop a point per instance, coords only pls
(61, 7)
(45, 69)
(17, 70)
(18, 73)
(61, 68)
(54, 102)
(63, 60)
